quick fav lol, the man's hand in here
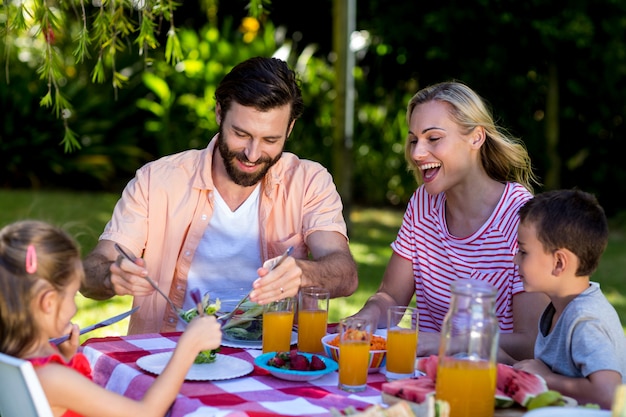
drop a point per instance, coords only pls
(275, 284)
(128, 278)
(107, 274)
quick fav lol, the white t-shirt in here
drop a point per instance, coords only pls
(229, 254)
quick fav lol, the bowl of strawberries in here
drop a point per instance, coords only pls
(296, 366)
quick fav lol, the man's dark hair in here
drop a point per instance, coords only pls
(262, 83)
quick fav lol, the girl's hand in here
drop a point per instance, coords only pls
(204, 332)
(69, 348)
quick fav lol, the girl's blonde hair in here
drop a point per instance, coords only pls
(54, 261)
(503, 156)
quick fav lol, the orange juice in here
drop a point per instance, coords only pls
(277, 331)
(354, 360)
(311, 329)
(401, 350)
(469, 386)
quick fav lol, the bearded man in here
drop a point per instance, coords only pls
(211, 218)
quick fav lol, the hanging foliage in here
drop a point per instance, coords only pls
(40, 32)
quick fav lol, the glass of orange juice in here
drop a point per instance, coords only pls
(277, 325)
(312, 318)
(402, 335)
(355, 336)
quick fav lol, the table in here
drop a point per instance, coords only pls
(258, 394)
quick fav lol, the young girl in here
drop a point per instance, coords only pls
(461, 222)
(40, 274)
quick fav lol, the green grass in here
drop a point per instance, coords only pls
(85, 214)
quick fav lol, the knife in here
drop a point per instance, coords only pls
(104, 323)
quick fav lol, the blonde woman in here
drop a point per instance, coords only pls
(461, 222)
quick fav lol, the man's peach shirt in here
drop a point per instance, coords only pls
(165, 209)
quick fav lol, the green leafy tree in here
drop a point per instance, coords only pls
(100, 30)
(554, 74)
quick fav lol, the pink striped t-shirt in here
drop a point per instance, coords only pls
(439, 258)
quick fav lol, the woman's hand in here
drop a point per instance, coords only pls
(428, 344)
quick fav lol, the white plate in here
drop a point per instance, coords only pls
(249, 344)
(224, 367)
(567, 412)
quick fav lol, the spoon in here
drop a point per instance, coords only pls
(132, 258)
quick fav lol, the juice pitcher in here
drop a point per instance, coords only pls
(466, 372)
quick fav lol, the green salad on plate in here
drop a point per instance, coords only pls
(206, 356)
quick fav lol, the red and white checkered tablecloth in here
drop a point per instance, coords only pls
(257, 394)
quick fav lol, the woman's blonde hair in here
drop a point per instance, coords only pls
(503, 156)
(33, 255)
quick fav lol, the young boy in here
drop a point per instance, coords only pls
(580, 349)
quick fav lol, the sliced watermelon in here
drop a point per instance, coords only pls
(520, 385)
(416, 390)
(503, 401)
(428, 365)
(512, 386)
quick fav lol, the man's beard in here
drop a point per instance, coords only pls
(238, 177)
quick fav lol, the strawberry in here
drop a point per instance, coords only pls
(276, 361)
(316, 363)
(299, 363)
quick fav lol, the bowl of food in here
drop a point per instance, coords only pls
(378, 350)
(245, 325)
(296, 366)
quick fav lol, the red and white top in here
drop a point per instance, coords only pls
(440, 258)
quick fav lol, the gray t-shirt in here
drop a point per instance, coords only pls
(588, 337)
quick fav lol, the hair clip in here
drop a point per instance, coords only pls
(31, 259)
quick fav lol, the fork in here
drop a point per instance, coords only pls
(234, 310)
(197, 298)
(132, 258)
